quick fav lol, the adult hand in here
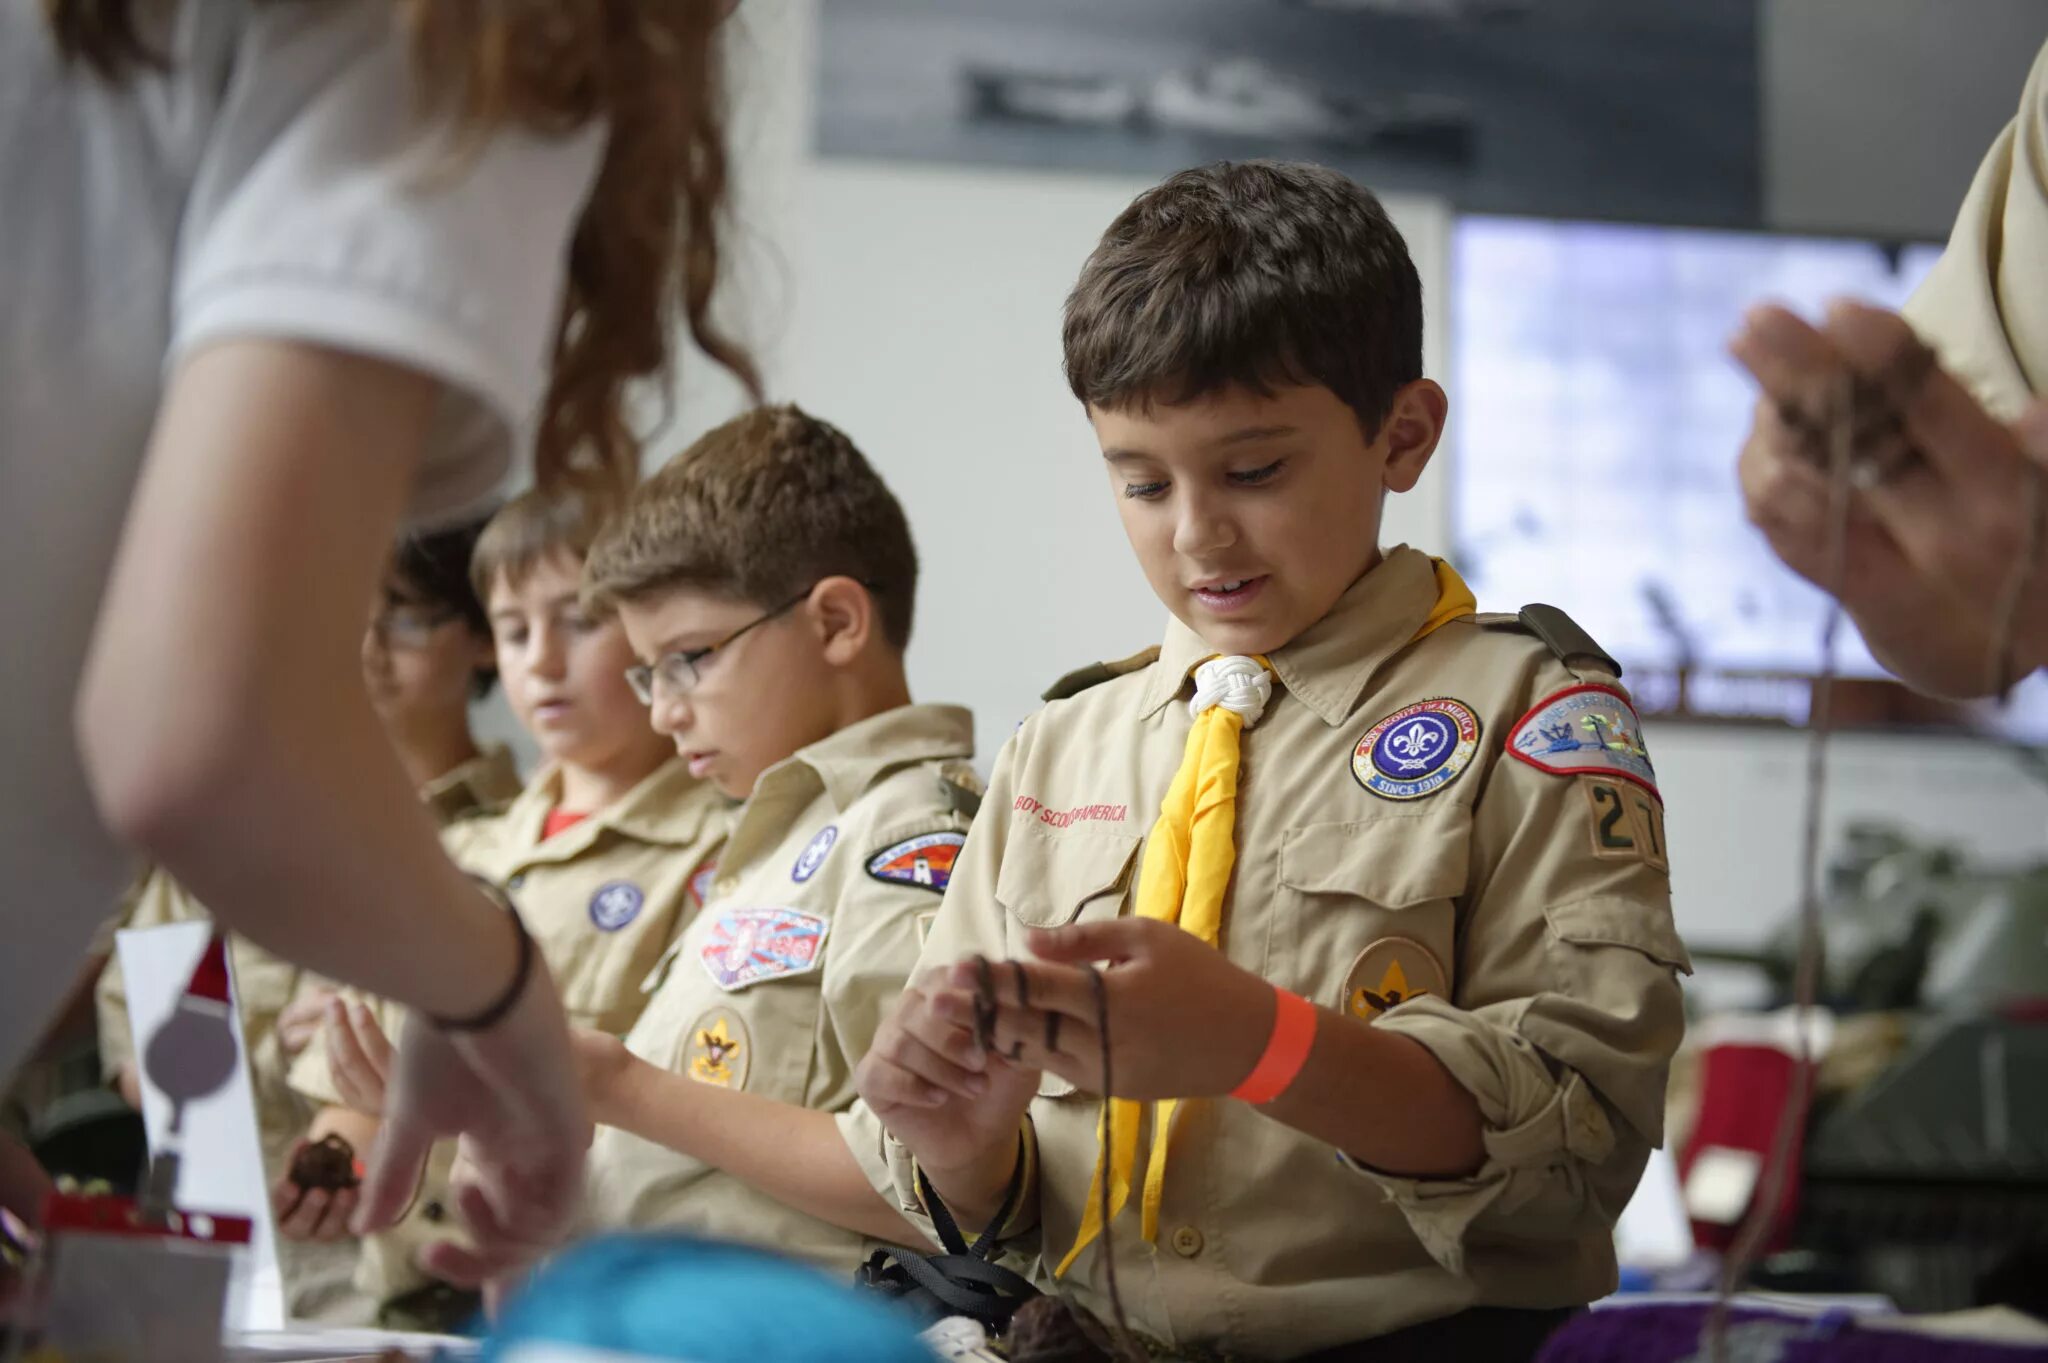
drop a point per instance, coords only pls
(512, 1094)
(1932, 545)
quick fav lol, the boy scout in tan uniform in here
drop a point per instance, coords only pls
(1400, 849)
(316, 1274)
(1511, 910)
(834, 869)
(602, 899)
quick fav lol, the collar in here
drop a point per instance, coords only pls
(667, 808)
(1327, 666)
(489, 778)
(846, 764)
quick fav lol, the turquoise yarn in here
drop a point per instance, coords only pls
(684, 1300)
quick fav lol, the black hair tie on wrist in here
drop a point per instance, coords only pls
(496, 1011)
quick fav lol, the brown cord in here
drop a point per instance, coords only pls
(1125, 1343)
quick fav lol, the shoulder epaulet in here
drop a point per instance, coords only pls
(1095, 674)
(1560, 634)
(961, 787)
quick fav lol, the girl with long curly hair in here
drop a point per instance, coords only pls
(281, 277)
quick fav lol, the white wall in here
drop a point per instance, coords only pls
(918, 308)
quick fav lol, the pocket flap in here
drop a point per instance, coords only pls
(1046, 879)
(1394, 860)
(1620, 923)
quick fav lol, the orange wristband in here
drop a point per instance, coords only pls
(1294, 1031)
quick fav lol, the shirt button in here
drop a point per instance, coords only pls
(516, 881)
(1187, 1242)
(725, 886)
(433, 1212)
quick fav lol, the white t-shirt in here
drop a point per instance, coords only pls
(275, 181)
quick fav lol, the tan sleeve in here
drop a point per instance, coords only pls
(153, 901)
(1982, 306)
(873, 952)
(969, 922)
(1566, 1014)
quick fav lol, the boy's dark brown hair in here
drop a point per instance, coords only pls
(432, 569)
(760, 510)
(532, 526)
(1254, 274)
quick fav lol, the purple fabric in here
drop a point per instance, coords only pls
(1676, 1334)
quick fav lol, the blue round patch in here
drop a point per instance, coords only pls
(1417, 750)
(814, 856)
(615, 905)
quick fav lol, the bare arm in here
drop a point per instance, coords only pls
(793, 1154)
(223, 720)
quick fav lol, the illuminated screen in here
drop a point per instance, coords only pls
(1596, 421)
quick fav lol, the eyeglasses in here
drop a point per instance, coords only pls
(404, 625)
(678, 673)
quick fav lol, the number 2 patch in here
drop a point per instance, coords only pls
(1628, 823)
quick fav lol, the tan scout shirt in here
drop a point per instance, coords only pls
(602, 899)
(317, 1274)
(834, 868)
(1983, 307)
(1391, 854)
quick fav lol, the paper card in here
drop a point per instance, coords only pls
(1718, 1189)
(221, 1149)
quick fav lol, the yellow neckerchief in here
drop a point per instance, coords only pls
(1188, 861)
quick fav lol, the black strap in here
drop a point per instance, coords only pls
(522, 970)
(963, 1281)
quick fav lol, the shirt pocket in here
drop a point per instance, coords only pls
(1367, 909)
(1048, 880)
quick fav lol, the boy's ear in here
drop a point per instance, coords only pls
(1414, 425)
(843, 613)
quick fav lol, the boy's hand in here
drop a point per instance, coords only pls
(930, 1083)
(300, 1022)
(358, 1057)
(310, 1213)
(1183, 1021)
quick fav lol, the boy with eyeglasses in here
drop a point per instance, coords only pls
(765, 578)
(606, 853)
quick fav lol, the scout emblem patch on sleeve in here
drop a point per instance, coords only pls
(1389, 973)
(615, 905)
(718, 1050)
(1585, 730)
(1418, 750)
(925, 861)
(748, 946)
(813, 856)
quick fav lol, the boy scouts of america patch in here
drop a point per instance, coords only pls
(615, 905)
(1418, 750)
(1389, 973)
(748, 946)
(926, 861)
(812, 857)
(1588, 729)
(718, 1050)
